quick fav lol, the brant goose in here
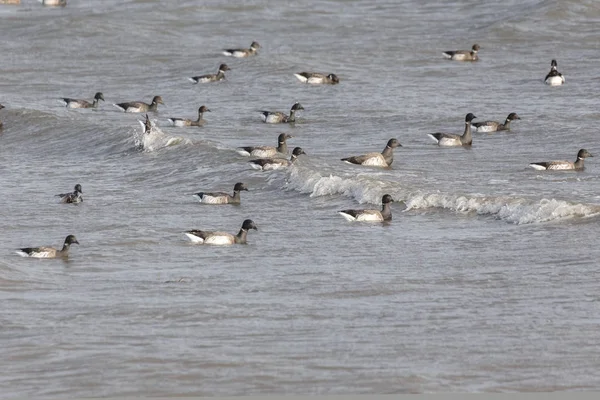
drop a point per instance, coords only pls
(449, 139)
(48, 252)
(222, 197)
(221, 238)
(577, 165)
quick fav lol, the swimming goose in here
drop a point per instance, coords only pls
(493, 126)
(241, 53)
(189, 122)
(371, 215)
(138, 106)
(383, 159)
(554, 78)
(563, 165)
(220, 75)
(221, 238)
(267, 151)
(463, 55)
(448, 139)
(77, 103)
(48, 252)
(276, 117)
(266, 164)
(73, 197)
(317, 78)
(221, 197)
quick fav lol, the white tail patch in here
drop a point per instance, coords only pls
(537, 166)
(431, 135)
(220, 239)
(301, 78)
(194, 238)
(348, 217)
(243, 152)
(256, 166)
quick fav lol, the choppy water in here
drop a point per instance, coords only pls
(486, 280)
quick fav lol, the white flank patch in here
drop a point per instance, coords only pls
(177, 122)
(555, 81)
(447, 55)
(212, 200)
(485, 128)
(22, 253)
(449, 141)
(561, 165)
(370, 217)
(315, 80)
(220, 240)
(273, 166)
(263, 153)
(375, 161)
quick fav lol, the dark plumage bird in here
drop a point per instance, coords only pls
(463, 55)
(383, 159)
(494, 126)
(221, 238)
(220, 75)
(267, 151)
(190, 122)
(554, 78)
(48, 252)
(371, 215)
(449, 139)
(267, 164)
(73, 197)
(316, 78)
(222, 197)
(242, 53)
(276, 117)
(577, 165)
(138, 106)
(78, 103)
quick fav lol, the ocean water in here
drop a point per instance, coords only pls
(486, 280)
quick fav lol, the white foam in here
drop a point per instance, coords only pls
(156, 139)
(366, 188)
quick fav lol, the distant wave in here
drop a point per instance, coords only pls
(369, 189)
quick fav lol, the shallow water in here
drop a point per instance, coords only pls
(486, 280)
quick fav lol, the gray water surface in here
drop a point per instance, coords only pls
(487, 279)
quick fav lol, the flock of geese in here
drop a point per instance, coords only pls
(274, 157)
